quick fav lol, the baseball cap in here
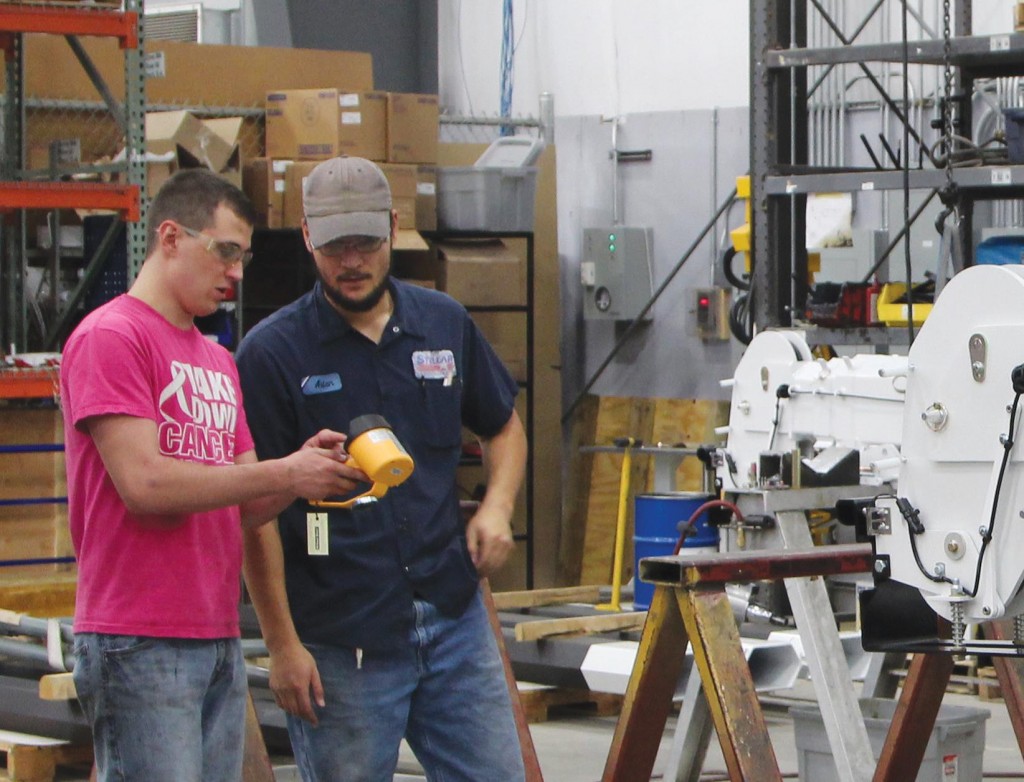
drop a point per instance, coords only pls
(346, 196)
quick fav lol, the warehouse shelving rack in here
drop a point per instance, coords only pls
(781, 178)
(526, 309)
(21, 189)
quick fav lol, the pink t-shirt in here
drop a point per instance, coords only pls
(160, 577)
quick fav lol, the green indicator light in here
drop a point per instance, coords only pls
(611, 237)
(611, 247)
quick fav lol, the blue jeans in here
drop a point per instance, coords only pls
(444, 691)
(163, 709)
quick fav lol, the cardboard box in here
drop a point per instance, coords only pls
(402, 179)
(296, 172)
(157, 172)
(412, 128)
(362, 124)
(302, 124)
(229, 130)
(263, 181)
(426, 198)
(190, 71)
(506, 333)
(323, 123)
(192, 140)
(483, 273)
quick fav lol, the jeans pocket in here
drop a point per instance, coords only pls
(119, 646)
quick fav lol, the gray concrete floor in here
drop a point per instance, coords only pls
(573, 748)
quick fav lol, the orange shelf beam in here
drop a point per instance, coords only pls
(71, 195)
(29, 383)
(68, 20)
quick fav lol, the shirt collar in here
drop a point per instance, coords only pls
(407, 314)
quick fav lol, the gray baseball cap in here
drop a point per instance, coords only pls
(346, 196)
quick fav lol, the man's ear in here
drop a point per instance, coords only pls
(169, 234)
(305, 236)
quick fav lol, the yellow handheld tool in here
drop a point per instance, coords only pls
(374, 449)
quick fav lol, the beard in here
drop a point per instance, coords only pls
(348, 304)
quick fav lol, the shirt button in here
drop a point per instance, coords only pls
(395, 329)
(406, 568)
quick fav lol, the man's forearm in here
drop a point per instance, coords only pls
(264, 578)
(504, 458)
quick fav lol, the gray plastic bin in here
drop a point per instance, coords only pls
(954, 750)
(475, 198)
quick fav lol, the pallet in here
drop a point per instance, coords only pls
(541, 703)
(36, 758)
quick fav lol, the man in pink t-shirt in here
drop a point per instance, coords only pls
(162, 475)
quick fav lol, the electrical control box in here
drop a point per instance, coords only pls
(615, 272)
(712, 313)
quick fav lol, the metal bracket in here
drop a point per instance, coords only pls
(977, 348)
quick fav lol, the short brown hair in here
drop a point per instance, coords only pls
(191, 197)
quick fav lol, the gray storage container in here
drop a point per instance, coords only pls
(955, 747)
(494, 194)
(474, 198)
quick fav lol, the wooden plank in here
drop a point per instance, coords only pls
(57, 687)
(540, 702)
(579, 625)
(36, 758)
(43, 596)
(532, 598)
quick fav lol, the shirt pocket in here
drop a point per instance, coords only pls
(444, 413)
(324, 411)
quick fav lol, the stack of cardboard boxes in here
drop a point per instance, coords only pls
(398, 131)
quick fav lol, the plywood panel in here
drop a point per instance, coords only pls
(32, 531)
(587, 553)
(688, 423)
(617, 417)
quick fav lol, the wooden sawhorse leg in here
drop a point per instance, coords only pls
(530, 762)
(915, 715)
(703, 616)
(1010, 672)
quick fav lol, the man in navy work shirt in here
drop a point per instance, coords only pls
(372, 614)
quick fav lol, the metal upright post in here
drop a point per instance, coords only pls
(135, 138)
(15, 322)
(778, 137)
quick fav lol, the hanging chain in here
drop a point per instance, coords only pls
(948, 193)
(947, 94)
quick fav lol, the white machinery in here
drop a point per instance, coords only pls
(934, 436)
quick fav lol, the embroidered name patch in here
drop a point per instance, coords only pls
(321, 384)
(433, 364)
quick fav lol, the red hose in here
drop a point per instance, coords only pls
(696, 514)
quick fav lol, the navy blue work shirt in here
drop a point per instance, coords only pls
(304, 369)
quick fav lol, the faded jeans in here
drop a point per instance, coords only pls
(163, 709)
(444, 691)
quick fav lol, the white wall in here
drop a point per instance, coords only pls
(614, 57)
(604, 57)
